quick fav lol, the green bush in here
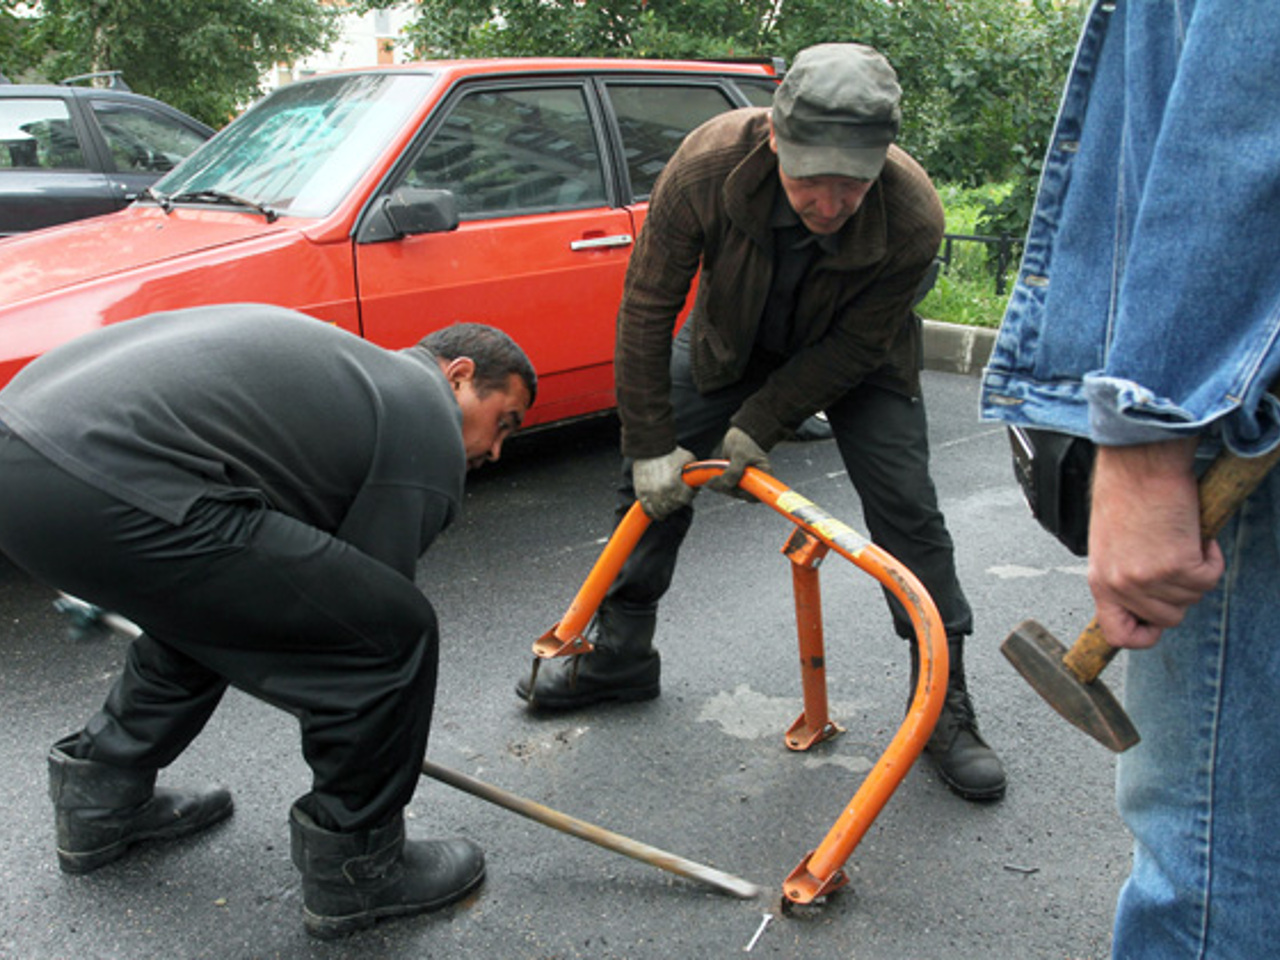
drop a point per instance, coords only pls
(966, 291)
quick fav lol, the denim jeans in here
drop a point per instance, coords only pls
(1201, 792)
(1145, 310)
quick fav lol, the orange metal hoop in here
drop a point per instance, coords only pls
(821, 871)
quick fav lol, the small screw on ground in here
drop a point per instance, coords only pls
(759, 930)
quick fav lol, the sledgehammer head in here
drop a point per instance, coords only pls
(1038, 656)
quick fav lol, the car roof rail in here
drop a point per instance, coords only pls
(117, 79)
(779, 64)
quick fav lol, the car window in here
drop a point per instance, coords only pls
(506, 152)
(36, 134)
(301, 149)
(654, 118)
(758, 92)
(144, 140)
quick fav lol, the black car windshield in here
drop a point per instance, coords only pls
(301, 149)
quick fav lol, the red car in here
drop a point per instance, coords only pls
(393, 201)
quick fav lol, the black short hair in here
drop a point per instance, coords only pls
(494, 353)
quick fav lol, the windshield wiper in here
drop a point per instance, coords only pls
(153, 194)
(230, 199)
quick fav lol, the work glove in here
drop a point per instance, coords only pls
(741, 451)
(658, 483)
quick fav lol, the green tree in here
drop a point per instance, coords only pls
(15, 58)
(657, 28)
(206, 57)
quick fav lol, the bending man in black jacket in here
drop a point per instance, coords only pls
(253, 488)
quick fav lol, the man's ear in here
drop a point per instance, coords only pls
(458, 371)
(773, 137)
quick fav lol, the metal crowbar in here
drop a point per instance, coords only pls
(87, 616)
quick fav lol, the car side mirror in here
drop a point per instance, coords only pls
(407, 211)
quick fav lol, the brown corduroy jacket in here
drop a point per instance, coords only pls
(710, 209)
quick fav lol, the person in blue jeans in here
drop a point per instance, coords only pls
(1146, 316)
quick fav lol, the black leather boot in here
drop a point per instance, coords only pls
(351, 880)
(101, 811)
(623, 667)
(962, 758)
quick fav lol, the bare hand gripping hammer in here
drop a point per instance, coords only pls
(1068, 679)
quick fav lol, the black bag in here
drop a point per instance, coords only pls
(1053, 470)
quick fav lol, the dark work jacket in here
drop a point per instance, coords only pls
(253, 402)
(710, 210)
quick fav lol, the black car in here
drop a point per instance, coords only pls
(68, 152)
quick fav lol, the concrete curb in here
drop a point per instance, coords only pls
(954, 348)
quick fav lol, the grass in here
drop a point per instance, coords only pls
(966, 290)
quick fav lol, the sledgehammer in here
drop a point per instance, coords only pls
(1068, 679)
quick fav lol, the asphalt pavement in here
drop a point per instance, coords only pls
(701, 772)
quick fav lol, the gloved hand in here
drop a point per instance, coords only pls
(741, 451)
(659, 488)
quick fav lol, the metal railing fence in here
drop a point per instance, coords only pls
(1006, 251)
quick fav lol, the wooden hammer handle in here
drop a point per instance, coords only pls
(1225, 485)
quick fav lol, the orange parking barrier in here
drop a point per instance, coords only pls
(814, 725)
(822, 869)
(566, 638)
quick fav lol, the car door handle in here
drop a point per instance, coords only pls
(617, 240)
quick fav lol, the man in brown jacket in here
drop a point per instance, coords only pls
(813, 233)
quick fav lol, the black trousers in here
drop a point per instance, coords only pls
(238, 595)
(884, 442)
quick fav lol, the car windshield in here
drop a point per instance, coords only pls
(300, 150)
